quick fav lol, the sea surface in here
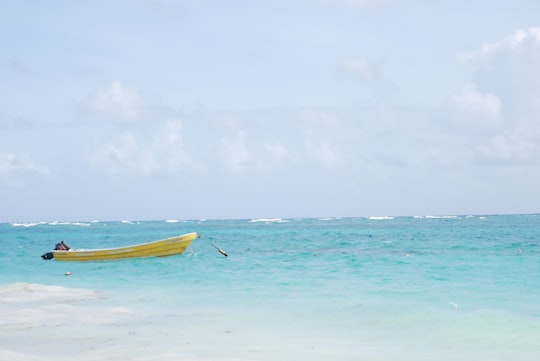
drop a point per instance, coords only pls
(375, 288)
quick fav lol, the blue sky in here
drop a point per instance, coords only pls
(183, 109)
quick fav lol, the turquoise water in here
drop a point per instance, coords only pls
(404, 288)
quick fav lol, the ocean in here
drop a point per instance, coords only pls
(374, 288)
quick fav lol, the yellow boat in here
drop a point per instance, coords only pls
(164, 247)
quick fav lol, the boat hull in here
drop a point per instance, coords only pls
(164, 247)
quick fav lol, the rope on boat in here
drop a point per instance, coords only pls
(211, 241)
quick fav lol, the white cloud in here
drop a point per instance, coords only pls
(298, 137)
(124, 104)
(160, 149)
(518, 147)
(322, 153)
(507, 112)
(359, 68)
(318, 121)
(7, 164)
(234, 152)
(515, 42)
(169, 146)
(124, 154)
(12, 167)
(479, 105)
(278, 152)
(362, 3)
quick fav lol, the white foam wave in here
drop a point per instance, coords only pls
(26, 224)
(17, 356)
(438, 217)
(30, 310)
(378, 218)
(30, 292)
(441, 217)
(269, 220)
(184, 221)
(55, 223)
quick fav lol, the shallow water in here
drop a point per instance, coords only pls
(404, 288)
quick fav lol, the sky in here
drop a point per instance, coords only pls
(205, 109)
